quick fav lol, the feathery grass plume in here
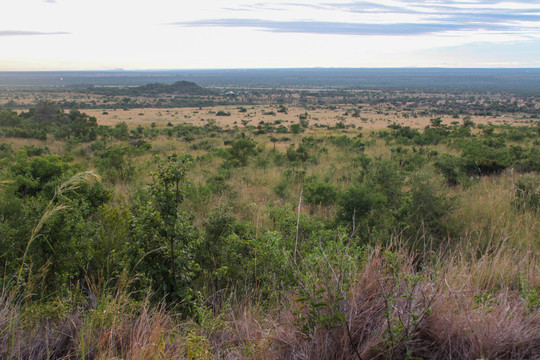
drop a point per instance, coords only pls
(55, 205)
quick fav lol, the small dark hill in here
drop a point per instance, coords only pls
(178, 88)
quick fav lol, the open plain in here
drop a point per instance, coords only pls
(179, 221)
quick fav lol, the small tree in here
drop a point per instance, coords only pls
(115, 163)
(296, 128)
(241, 150)
(274, 140)
(169, 190)
(45, 111)
(162, 233)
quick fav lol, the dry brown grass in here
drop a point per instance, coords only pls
(447, 310)
(369, 118)
(55, 146)
(453, 322)
(490, 218)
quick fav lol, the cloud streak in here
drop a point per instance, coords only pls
(402, 17)
(29, 33)
(406, 6)
(346, 28)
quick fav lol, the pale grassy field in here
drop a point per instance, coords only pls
(370, 118)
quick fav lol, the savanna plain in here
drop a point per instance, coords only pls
(175, 221)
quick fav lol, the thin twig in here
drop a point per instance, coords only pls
(298, 224)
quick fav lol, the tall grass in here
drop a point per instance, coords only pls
(451, 308)
(488, 215)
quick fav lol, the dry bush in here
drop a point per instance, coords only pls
(499, 327)
(429, 319)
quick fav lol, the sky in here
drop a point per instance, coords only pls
(221, 34)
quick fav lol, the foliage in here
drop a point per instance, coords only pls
(429, 210)
(300, 154)
(480, 159)
(45, 117)
(450, 167)
(162, 234)
(215, 253)
(319, 192)
(241, 150)
(115, 164)
(357, 202)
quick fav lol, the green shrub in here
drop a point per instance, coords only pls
(281, 189)
(480, 159)
(115, 163)
(9, 118)
(357, 202)
(241, 150)
(299, 154)
(296, 128)
(162, 235)
(449, 166)
(530, 161)
(319, 192)
(428, 209)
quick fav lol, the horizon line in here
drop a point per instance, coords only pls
(280, 68)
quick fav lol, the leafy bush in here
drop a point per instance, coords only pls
(530, 161)
(213, 252)
(296, 128)
(241, 150)
(428, 209)
(281, 189)
(385, 177)
(218, 183)
(40, 173)
(162, 235)
(357, 202)
(299, 154)
(9, 118)
(480, 159)
(319, 192)
(115, 163)
(449, 166)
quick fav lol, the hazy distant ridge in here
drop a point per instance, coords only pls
(523, 80)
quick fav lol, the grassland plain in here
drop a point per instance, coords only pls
(287, 231)
(368, 118)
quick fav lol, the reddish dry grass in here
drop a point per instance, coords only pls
(451, 324)
(389, 312)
